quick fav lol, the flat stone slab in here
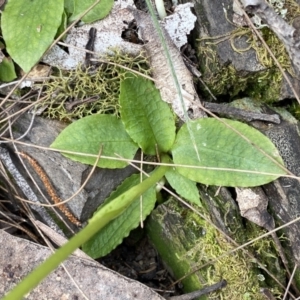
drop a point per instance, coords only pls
(19, 257)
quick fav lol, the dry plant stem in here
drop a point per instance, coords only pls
(73, 24)
(58, 239)
(207, 88)
(50, 189)
(210, 289)
(290, 282)
(26, 189)
(13, 89)
(94, 60)
(141, 197)
(11, 121)
(10, 216)
(6, 110)
(8, 183)
(241, 114)
(32, 236)
(19, 112)
(138, 161)
(56, 150)
(154, 163)
(12, 223)
(250, 24)
(24, 134)
(285, 262)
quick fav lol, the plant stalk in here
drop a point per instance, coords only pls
(96, 223)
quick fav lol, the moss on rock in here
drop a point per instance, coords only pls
(85, 91)
(194, 250)
(266, 82)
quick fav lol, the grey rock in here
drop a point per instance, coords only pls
(66, 175)
(19, 257)
(229, 71)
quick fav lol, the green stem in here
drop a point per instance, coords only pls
(173, 72)
(110, 211)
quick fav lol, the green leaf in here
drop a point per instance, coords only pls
(7, 70)
(183, 186)
(29, 27)
(221, 147)
(62, 27)
(99, 12)
(113, 233)
(147, 119)
(88, 134)
(69, 6)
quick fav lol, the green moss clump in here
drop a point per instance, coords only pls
(86, 91)
(225, 80)
(199, 254)
(244, 279)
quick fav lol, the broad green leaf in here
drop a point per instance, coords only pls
(99, 12)
(147, 119)
(87, 135)
(183, 186)
(28, 29)
(69, 6)
(221, 147)
(7, 70)
(114, 232)
(62, 27)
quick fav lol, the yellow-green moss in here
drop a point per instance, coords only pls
(101, 85)
(242, 275)
(264, 84)
(191, 242)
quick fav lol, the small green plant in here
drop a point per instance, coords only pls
(147, 123)
(230, 155)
